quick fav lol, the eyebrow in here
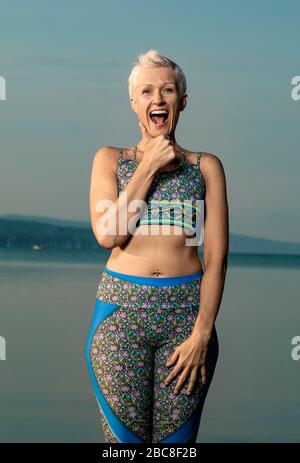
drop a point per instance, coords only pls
(151, 85)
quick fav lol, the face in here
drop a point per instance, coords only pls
(156, 89)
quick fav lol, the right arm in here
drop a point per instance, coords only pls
(107, 206)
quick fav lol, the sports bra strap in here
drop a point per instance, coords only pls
(199, 158)
(134, 153)
(121, 150)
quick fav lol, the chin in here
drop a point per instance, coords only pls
(165, 128)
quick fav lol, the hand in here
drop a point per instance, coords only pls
(191, 355)
(158, 151)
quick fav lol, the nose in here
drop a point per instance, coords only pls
(157, 98)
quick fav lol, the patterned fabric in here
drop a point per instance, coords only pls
(174, 198)
(135, 329)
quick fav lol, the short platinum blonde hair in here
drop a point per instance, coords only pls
(153, 59)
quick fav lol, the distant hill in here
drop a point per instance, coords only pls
(249, 245)
(44, 232)
(49, 220)
(39, 234)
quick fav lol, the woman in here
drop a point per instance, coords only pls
(152, 346)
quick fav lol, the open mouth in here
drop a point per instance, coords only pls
(159, 117)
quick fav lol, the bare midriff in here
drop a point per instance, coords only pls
(156, 255)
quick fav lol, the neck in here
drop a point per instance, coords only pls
(141, 145)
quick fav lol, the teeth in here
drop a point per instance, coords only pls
(158, 111)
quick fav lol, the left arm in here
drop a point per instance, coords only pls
(215, 246)
(191, 354)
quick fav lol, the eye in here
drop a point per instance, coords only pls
(169, 88)
(147, 90)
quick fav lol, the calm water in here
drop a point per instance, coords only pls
(47, 304)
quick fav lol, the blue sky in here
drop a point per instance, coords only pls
(66, 65)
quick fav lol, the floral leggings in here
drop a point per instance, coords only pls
(137, 324)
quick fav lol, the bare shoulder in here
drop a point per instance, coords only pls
(107, 152)
(107, 156)
(210, 165)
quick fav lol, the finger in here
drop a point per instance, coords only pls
(144, 132)
(172, 358)
(172, 375)
(182, 379)
(192, 381)
(203, 374)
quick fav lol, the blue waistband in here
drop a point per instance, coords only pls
(155, 281)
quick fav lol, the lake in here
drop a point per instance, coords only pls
(47, 304)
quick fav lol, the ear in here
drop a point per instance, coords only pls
(133, 104)
(184, 101)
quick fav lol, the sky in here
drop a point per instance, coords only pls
(66, 66)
